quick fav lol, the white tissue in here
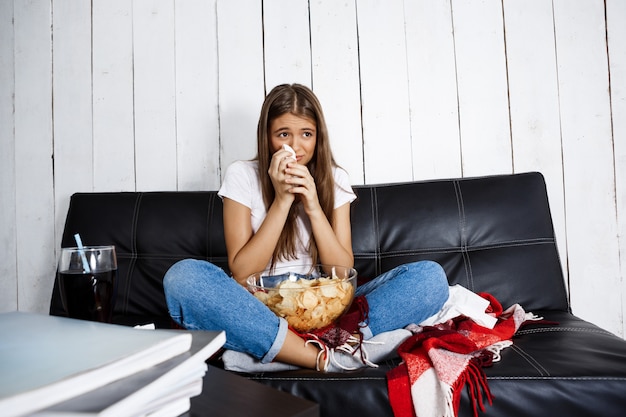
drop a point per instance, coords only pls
(290, 150)
(463, 302)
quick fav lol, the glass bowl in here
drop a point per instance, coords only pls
(308, 297)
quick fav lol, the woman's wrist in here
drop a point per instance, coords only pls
(282, 204)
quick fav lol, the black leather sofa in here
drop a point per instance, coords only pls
(492, 234)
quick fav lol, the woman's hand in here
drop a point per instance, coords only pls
(279, 176)
(301, 183)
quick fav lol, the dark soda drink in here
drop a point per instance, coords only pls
(89, 296)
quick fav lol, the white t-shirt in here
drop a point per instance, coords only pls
(242, 184)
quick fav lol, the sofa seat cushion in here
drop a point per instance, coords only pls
(573, 368)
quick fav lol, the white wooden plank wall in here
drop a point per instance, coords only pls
(240, 73)
(154, 68)
(121, 95)
(534, 99)
(433, 95)
(197, 119)
(33, 153)
(113, 96)
(616, 37)
(384, 91)
(286, 42)
(8, 232)
(336, 79)
(588, 160)
(72, 110)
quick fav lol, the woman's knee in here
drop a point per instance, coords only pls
(185, 275)
(432, 278)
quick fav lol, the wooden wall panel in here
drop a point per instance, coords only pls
(287, 42)
(616, 36)
(384, 91)
(434, 106)
(336, 80)
(197, 117)
(534, 100)
(34, 198)
(482, 84)
(113, 101)
(155, 90)
(588, 161)
(72, 112)
(8, 216)
(241, 79)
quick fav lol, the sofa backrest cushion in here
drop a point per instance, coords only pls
(490, 234)
(151, 231)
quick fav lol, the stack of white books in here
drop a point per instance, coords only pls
(55, 366)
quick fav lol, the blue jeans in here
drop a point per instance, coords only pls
(201, 296)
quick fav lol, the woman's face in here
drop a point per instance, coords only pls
(298, 132)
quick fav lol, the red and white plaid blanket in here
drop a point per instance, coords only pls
(440, 360)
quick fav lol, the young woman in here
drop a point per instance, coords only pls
(280, 210)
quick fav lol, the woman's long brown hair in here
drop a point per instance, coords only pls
(302, 102)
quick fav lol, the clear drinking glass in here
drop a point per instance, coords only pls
(87, 280)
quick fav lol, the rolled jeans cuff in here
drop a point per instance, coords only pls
(281, 335)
